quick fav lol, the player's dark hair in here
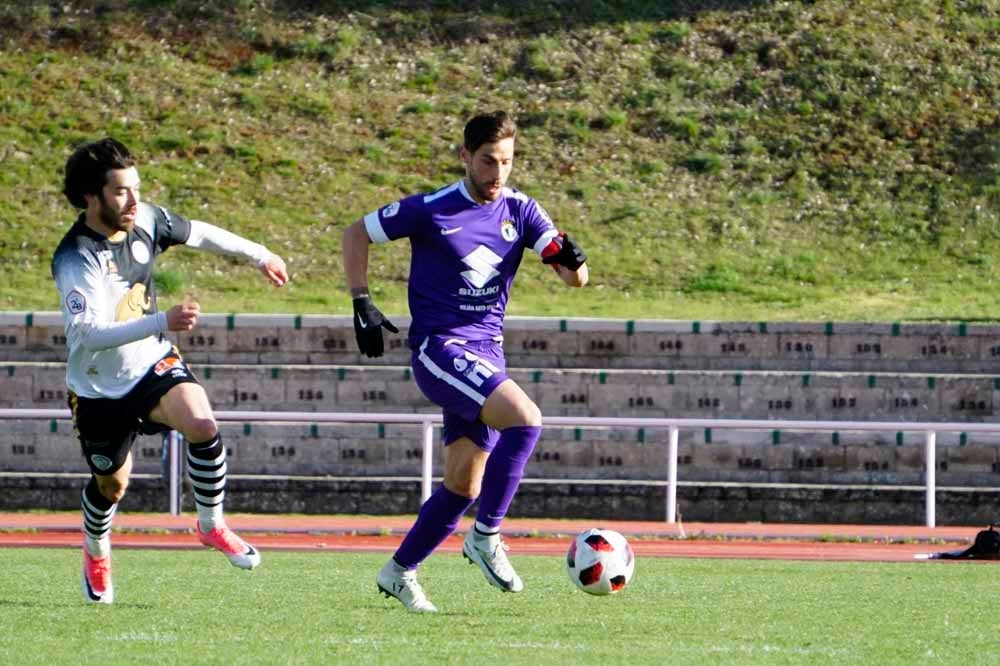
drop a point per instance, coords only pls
(489, 128)
(87, 168)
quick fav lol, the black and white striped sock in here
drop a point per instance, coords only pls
(207, 469)
(98, 513)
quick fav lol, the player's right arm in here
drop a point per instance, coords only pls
(355, 250)
(399, 219)
(368, 319)
(89, 316)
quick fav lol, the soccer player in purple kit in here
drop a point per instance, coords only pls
(466, 243)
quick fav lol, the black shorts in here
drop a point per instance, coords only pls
(107, 427)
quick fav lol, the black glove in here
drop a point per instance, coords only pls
(563, 251)
(368, 323)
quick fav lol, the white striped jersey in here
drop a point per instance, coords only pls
(105, 286)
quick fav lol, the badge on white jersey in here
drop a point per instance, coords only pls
(140, 252)
(75, 302)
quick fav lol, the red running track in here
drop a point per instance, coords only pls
(525, 536)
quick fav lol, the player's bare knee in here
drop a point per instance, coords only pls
(470, 490)
(200, 430)
(528, 414)
(112, 489)
(535, 417)
(464, 487)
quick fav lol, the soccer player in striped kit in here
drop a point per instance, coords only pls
(466, 243)
(124, 376)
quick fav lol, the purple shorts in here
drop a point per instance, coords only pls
(458, 376)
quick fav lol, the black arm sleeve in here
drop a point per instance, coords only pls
(171, 229)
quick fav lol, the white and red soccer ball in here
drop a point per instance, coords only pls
(600, 562)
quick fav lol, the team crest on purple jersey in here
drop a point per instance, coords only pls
(464, 256)
(508, 231)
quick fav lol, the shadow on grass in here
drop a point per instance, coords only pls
(976, 153)
(440, 20)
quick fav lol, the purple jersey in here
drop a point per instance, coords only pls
(464, 256)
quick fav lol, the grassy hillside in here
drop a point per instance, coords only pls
(728, 160)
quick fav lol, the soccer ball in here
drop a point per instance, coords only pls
(600, 562)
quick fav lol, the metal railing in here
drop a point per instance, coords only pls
(673, 426)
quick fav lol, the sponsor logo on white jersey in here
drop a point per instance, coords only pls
(483, 262)
(140, 252)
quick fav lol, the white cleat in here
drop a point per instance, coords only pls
(394, 581)
(490, 553)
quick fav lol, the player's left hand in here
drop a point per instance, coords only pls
(563, 251)
(274, 270)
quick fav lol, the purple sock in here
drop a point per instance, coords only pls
(437, 519)
(504, 469)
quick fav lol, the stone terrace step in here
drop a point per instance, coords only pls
(543, 342)
(378, 450)
(575, 392)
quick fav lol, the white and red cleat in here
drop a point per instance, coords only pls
(96, 583)
(223, 539)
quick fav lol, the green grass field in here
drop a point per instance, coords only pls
(190, 607)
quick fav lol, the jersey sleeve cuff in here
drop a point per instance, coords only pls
(374, 228)
(543, 240)
(161, 322)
